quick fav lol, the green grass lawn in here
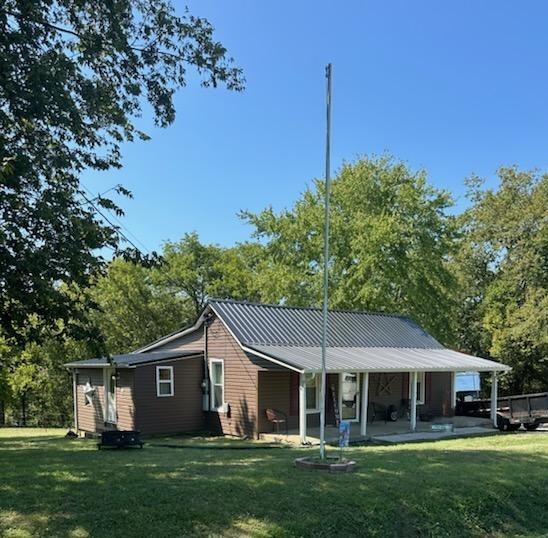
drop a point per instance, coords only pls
(489, 486)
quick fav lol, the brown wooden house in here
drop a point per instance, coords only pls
(240, 359)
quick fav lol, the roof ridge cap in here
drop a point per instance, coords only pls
(312, 308)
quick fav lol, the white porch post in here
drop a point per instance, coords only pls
(494, 397)
(365, 401)
(302, 408)
(75, 402)
(453, 391)
(413, 401)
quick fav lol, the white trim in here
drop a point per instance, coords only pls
(402, 370)
(421, 378)
(108, 373)
(302, 408)
(133, 366)
(365, 403)
(171, 381)
(413, 379)
(357, 374)
(178, 334)
(220, 408)
(275, 361)
(453, 390)
(156, 361)
(494, 398)
(316, 408)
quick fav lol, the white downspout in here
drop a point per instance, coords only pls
(364, 403)
(302, 408)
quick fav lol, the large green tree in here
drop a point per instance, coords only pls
(390, 241)
(133, 309)
(195, 272)
(502, 267)
(136, 304)
(73, 78)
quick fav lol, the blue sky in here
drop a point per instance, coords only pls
(455, 87)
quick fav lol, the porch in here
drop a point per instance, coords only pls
(378, 404)
(389, 432)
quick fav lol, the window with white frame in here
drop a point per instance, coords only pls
(421, 387)
(164, 381)
(312, 384)
(217, 377)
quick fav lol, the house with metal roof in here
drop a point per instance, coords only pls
(243, 368)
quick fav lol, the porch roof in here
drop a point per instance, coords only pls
(377, 359)
(131, 360)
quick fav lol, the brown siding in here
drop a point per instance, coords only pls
(388, 389)
(241, 383)
(191, 341)
(181, 412)
(439, 400)
(90, 417)
(280, 391)
(274, 393)
(125, 408)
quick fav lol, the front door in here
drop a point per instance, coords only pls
(110, 395)
(349, 402)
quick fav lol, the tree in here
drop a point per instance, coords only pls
(503, 274)
(73, 78)
(135, 305)
(196, 272)
(133, 310)
(390, 241)
(38, 388)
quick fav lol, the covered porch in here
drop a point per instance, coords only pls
(386, 432)
(418, 390)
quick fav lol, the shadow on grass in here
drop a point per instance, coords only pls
(478, 487)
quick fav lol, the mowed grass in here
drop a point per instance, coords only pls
(489, 486)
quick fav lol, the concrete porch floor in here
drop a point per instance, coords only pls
(391, 432)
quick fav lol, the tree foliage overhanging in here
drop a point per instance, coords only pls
(74, 76)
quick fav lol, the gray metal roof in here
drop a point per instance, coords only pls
(378, 359)
(257, 324)
(133, 359)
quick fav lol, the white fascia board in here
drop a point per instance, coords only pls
(271, 359)
(176, 335)
(502, 369)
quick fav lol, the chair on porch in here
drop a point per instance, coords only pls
(276, 418)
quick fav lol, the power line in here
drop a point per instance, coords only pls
(116, 226)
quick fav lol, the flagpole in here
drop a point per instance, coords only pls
(325, 261)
